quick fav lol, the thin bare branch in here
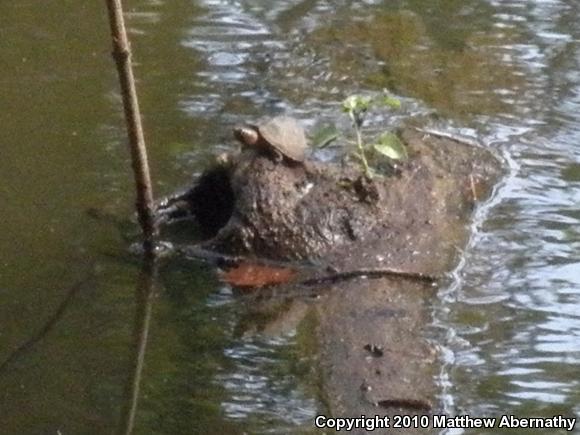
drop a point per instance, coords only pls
(140, 165)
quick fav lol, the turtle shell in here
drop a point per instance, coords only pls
(285, 135)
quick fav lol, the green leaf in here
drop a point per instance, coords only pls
(325, 135)
(391, 146)
(392, 102)
(356, 103)
(349, 104)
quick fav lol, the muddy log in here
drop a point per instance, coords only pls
(253, 205)
(373, 354)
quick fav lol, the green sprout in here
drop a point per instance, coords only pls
(356, 107)
(388, 145)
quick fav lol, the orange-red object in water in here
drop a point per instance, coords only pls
(251, 275)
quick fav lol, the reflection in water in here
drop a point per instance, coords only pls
(507, 72)
(253, 394)
(144, 292)
(264, 363)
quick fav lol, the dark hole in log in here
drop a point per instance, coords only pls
(212, 200)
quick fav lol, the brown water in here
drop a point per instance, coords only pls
(504, 72)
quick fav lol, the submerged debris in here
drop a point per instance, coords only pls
(252, 275)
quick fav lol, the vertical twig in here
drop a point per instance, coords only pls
(145, 210)
(122, 56)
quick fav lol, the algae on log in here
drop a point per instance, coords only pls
(373, 355)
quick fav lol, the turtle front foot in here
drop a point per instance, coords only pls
(173, 208)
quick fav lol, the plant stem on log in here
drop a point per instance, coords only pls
(122, 55)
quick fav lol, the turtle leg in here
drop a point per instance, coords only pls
(277, 156)
(174, 207)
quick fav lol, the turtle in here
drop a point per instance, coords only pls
(282, 137)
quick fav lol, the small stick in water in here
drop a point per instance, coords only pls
(122, 56)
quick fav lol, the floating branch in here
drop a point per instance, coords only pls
(371, 273)
(329, 277)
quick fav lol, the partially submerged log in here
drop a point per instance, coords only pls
(428, 223)
(251, 205)
(373, 356)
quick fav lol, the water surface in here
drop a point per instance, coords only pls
(506, 73)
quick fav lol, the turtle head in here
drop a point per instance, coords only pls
(247, 134)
